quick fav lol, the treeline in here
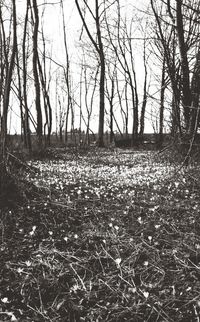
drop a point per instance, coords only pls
(164, 90)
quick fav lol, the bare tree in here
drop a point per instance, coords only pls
(99, 48)
(121, 41)
(35, 21)
(27, 134)
(110, 92)
(182, 50)
(145, 94)
(9, 67)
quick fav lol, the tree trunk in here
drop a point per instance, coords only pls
(8, 80)
(27, 132)
(186, 92)
(36, 74)
(162, 97)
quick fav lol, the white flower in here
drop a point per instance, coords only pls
(116, 227)
(118, 261)
(65, 239)
(33, 231)
(146, 294)
(28, 263)
(76, 236)
(74, 288)
(5, 300)
(176, 184)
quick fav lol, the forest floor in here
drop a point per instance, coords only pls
(102, 236)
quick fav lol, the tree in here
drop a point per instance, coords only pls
(35, 21)
(27, 132)
(145, 96)
(110, 92)
(182, 52)
(99, 48)
(9, 61)
(121, 42)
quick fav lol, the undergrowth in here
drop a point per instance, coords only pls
(102, 236)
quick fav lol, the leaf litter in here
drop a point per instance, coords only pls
(109, 236)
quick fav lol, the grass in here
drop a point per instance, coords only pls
(103, 236)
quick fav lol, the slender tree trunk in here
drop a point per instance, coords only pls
(186, 92)
(47, 105)
(195, 86)
(144, 102)
(8, 80)
(102, 78)
(36, 74)
(98, 45)
(27, 132)
(19, 89)
(111, 110)
(162, 97)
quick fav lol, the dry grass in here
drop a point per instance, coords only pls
(108, 236)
